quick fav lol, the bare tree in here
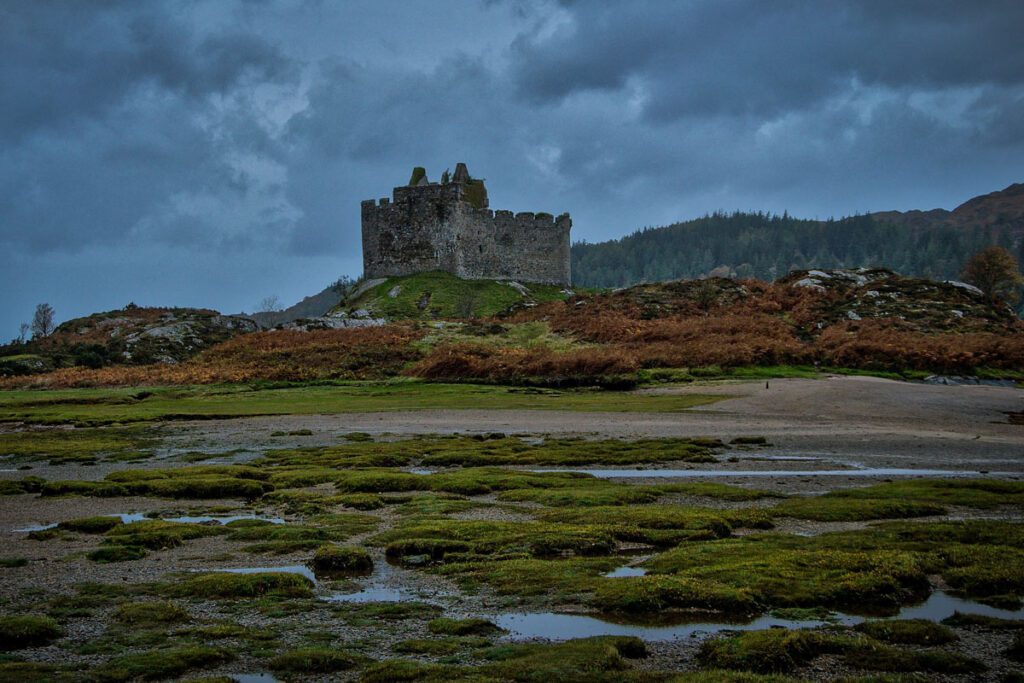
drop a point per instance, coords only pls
(269, 304)
(23, 332)
(42, 321)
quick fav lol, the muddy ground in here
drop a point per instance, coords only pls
(835, 423)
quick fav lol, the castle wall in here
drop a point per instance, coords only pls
(429, 227)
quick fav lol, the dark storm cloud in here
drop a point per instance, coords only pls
(170, 151)
(71, 60)
(762, 58)
(107, 118)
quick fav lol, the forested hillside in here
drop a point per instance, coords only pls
(931, 244)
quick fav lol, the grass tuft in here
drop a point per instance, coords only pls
(27, 631)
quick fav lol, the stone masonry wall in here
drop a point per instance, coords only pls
(429, 227)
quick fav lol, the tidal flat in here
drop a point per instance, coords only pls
(351, 547)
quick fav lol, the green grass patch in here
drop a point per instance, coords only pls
(602, 660)
(974, 493)
(149, 614)
(782, 651)
(286, 538)
(828, 509)
(80, 446)
(229, 586)
(34, 672)
(117, 553)
(877, 568)
(27, 631)
(372, 613)
(462, 627)
(437, 647)
(663, 525)
(314, 465)
(334, 559)
(442, 295)
(13, 562)
(597, 495)
(91, 525)
(159, 664)
(710, 489)
(91, 407)
(313, 660)
(997, 623)
(450, 540)
(908, 631)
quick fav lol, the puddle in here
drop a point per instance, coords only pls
(626, 571)
(554, 626)
(383, 585)
(36, 527)
(205, 519)
(132, 517)
(372, 594)
(866, 472)
(419, 470)
(253, 678)
(288, 569)
(940, 605)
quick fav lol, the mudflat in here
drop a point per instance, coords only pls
(364, 546)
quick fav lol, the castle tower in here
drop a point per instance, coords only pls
(428, 226)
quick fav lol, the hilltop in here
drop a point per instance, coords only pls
(1000, 212)
(931, 244)
(439, 295)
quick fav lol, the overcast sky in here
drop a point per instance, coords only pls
(213, 153)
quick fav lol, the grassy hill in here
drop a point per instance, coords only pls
(864, 320)
(426, 296)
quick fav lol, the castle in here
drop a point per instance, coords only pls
(448, 226)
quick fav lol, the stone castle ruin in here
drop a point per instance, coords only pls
(449, 226)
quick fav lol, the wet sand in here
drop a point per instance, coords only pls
(862, 420)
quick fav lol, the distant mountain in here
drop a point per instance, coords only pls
(931, 244)
(1002, 212)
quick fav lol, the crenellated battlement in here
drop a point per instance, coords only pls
(449, 226)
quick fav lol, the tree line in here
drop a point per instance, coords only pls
(767, 246)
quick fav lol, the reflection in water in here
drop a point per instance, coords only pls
(383, 585)
(552, 626)
(132, 517)
(626, 571)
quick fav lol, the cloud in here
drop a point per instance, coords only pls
(180, 137)
(757, 59)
